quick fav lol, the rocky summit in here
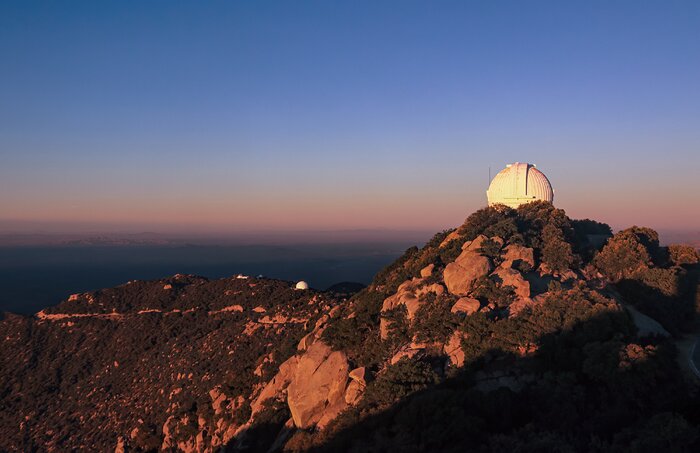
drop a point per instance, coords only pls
(521, 330)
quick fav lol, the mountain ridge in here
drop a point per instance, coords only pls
(507, 310)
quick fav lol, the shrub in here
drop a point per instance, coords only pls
(434, 321)
(398, 381)
(683, 254)
(451, 250)
(587, 226)
(492, 249)
(626, 253)
(556, 250)
(358, 336)
(398, 326)
(489, 218)
(488, 291)
(662, 432)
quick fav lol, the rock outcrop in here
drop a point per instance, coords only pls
(466, 305)
(317, 389)
(516, 254)
(449, 238)
(427, 271)
(277, 385)
(460, 275)
(410, 294)
(453, 349)
(318, 385)
(511, 277)
(478, 243)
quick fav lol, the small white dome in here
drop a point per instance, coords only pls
(517, 184)
(302, 285)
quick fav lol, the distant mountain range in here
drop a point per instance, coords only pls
(14, 240)
(689, 237)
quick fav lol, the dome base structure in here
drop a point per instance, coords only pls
(517, 184)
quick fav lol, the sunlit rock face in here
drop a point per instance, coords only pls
(517, 184)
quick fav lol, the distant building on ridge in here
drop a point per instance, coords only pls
(302, 285)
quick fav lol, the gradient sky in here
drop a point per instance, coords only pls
(228, 116)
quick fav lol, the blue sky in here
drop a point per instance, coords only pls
(228, 116)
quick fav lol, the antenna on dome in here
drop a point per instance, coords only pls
(489, 174)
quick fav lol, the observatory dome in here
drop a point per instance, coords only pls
(302, 285)
(517, 184)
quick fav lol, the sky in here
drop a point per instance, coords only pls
(252, 116)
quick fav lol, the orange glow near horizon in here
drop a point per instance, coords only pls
(333, 211)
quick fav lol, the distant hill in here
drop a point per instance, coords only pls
(346, 288)
(138, 358)
(521, 330)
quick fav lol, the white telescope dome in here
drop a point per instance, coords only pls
(302, 285)
(517, 184)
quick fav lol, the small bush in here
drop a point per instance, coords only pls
(683, 254)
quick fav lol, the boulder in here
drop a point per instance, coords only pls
(412, 304)
(519, 305)
(168, 428)
(335, 311)
(384, 325)
(410, 286)
(276, 319)
(406, 288)
(408, 294)
(353, 392)
(318, 385)
(405, 352)
(120, 446)
(305, 341)
(358, 375)
(331, 412)
(218, 400)
(427, 271)
(321, 321)
(436, 288)
(357, 385)
(516, 253)
(460, 275)
(200, 442)
(467, 305)
(511, 277)
(415, 344)
(450, 237)
(277, 384)
(476, 244)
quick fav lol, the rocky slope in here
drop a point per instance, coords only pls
(521, 330)
(150, 365)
